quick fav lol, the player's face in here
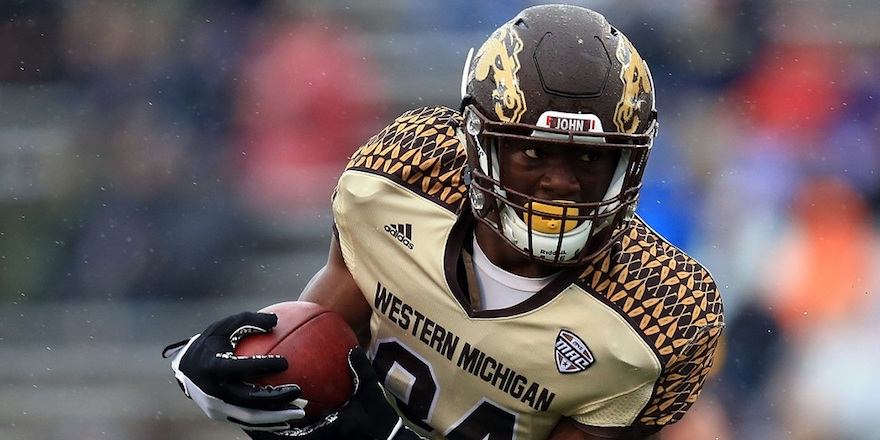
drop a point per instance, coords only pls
(557, 172)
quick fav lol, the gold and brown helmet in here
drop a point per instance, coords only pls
(562, 75)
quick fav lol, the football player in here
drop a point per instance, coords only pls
(493, 264)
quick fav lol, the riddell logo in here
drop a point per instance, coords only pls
(571, 124)
(402, 232)
(551, 253)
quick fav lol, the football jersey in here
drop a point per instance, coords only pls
(625, 341)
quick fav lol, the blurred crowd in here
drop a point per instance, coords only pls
(148, 150)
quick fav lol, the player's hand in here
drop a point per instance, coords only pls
(217, 380)
(368, 415)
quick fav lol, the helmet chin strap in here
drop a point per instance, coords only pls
(544, 245)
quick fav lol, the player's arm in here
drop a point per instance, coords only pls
(334, 288)
(568, 429)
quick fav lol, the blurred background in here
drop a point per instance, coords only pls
(167, 163)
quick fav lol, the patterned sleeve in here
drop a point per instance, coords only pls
(420, 150)
(673, 301)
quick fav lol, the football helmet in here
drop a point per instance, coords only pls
(561, 75)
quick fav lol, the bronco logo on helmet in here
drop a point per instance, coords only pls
(636, 84)
(499, 56)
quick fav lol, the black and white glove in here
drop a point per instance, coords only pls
(216, 380)
(368, 415)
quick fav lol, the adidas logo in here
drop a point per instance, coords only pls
(402, 232)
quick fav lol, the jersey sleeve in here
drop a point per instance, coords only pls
(674, 303)
(421, 151)
(684, 376)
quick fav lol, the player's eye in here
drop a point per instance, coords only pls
(588, 156)
(532, 153)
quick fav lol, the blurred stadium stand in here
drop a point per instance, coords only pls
(121, 230)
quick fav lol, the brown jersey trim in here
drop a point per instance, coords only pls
(462, 282)
(625, 433)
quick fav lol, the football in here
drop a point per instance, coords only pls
(315, 341)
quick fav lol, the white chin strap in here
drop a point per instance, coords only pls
(544, 245)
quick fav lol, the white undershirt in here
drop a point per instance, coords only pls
(499, 288)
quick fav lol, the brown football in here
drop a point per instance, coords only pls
(315, 341)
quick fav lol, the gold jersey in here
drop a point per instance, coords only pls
(622, 343)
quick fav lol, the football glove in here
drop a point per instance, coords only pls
(211, 375)
(368, 415)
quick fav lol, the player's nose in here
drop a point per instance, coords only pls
(560, 181)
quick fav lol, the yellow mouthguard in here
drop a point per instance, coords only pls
(550, 225)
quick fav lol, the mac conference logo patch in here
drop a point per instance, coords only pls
(572, 354)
